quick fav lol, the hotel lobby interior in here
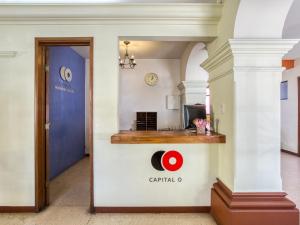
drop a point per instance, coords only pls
(123, 112)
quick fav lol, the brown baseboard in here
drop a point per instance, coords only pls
(180, 209)
(17, 209)
(289, 152)
(252, 208)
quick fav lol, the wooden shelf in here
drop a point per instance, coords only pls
(161, 137)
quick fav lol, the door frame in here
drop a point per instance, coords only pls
(41, 170)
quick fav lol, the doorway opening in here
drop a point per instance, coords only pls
(63, 120)
(290, 107)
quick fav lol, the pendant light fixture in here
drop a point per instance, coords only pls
(128, 62)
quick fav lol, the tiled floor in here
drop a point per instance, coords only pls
(72, 188)
(290, 169)
(70, 199)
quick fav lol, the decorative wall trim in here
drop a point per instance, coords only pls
(219, 76)
(209, 27)
(192, 92)
(192, 87)
(8, 54)
(175, 209)
(258, 69)
(244, 54)
(248, 47)
(215, 77)
(194, 13)
(267, 208)
(219, 57)
(262, 46)
(17, 209)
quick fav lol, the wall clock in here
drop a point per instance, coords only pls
(151, 79)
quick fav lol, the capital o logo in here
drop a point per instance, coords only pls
(66, 74)
(167, 160)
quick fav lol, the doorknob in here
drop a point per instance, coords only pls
(47, 126)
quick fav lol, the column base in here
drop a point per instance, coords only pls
(251, 208)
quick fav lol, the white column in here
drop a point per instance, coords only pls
(254, 132)
(192, 92)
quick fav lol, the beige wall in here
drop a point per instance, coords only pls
(226, 24)
(222, 93)
(17, 96)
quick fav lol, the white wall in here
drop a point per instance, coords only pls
(194, 72)
(192, 57)
(289, 110)
(137, 96)
(122, 176)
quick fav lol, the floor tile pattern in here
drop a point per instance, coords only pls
(70, 199)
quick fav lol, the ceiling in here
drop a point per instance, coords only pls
(155, 49)
(294, 53)
(292, 29)
(146, 49)
(292, 23)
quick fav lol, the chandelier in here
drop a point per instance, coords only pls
(127, 62)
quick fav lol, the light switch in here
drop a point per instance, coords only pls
(222, 108)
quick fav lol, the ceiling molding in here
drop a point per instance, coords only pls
(216, 77)
(162, 13)
(254, 47)
(262, 46)
(219, 57)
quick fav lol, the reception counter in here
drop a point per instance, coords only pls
(170, 137)
(157, 171)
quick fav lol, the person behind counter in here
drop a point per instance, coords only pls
(192, 114)
(200, 125)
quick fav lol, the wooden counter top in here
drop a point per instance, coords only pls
(161, 137)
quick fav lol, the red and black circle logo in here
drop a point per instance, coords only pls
(170, 160)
